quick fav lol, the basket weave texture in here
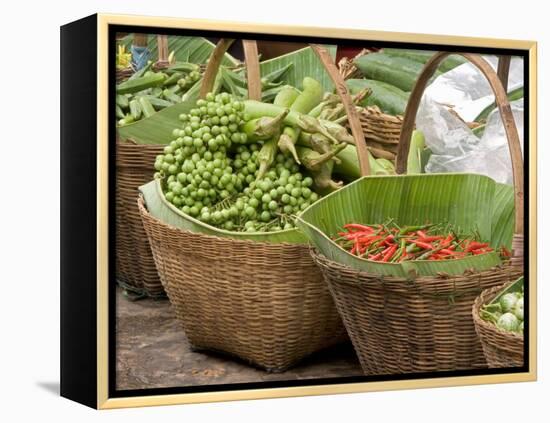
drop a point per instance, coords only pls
(400, 325)
(124, 74)
(381, 132)
(501, 348)
(265, 303)
(135, 267)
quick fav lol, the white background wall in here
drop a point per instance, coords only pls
(29, 206)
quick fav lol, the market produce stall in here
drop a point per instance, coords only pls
(229, 168)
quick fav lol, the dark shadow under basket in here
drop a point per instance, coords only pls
(264, 303)
(400, 325)
(135, 267)
(501, 348)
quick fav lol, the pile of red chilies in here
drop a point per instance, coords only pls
(391, 244)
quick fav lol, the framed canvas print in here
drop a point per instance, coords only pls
(254, 211)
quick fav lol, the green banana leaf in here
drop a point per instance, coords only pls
(418, 145)
(186, 49)
(303, 62)
(503, 216)
(464, 200)
(169, 214)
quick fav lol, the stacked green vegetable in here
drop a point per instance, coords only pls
(240, 165)
(506, 311)
(391, 75)
(147, 91)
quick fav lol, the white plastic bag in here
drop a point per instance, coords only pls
(456, 97)
(489, 156)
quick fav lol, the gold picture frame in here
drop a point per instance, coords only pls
(104, 21)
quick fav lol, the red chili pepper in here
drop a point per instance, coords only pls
(447, 251)
(424, 245)
(421, 234)
(481, 251)
(359, 227)
(474, 245)
(353, 235)
(430, 238)
(375, 257)
(369, 239)
(505, 252)
(391, 251)
(389, 240)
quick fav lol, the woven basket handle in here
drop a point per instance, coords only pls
(509, 126)
(252, 64)
(162, 44)
(353, 117)
(503, 70)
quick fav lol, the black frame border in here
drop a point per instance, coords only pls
(114, 393)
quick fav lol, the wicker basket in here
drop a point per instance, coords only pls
(381, 132)
(123, 74)
(380, 129)
(400, 325)
(501, 348)
(419, 324)
(135, 267)
(264, 303)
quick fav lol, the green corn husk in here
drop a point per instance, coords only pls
(348, 167)
(387, 165)
(266, 155)
(337, 131)
(414, 160)
(312, 160)
(317, 142)
(312, 125)
(322, 179)
(464, 200)
(287, 142)
(264, 128)
(286, 96)
(169, 214)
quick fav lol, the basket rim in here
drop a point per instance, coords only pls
(143, 210)
(320, 257)
(488, 295)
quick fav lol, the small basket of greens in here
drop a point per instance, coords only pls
(499, 318)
